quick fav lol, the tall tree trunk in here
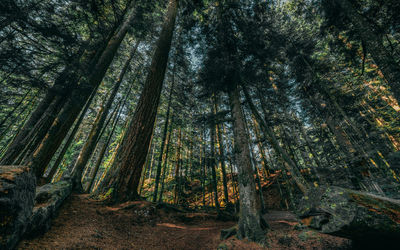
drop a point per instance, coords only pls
(163, 139)
(132, 153)
(116, 116)
(250, 221)
(213, 165)
(71, 137)
(165, 162)
(290, 165)
(92, 139)
(42, 156)
(177, 167)
(221, 153)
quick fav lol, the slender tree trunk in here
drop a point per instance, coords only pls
(290, 165)
(250, 221)
(7, 116)
(213, 165)
(165, 162)
(177, 167)
(92, 139)
(132, 153)
(71, 137)
(163, 139)
(221, 153)
(42, 156)
(116, 116)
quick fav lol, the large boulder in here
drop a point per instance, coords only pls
(363, 217)
(17, 196)
(48, 199)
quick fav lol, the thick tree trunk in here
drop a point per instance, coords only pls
(250, 224)
(25, 134)
(97, 127)
(132, 153)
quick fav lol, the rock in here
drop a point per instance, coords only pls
(48, 199)
(17, 195)
(360, 216)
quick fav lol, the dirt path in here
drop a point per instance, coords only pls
(87, 224)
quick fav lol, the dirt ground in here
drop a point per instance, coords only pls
(88, 224)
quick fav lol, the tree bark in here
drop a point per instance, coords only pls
(94, 134)
(163, 140)
(212, 165)
(71, 137)
(221, 154)
(132, 153)
(250, 224)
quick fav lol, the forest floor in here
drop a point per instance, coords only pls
(84, 223)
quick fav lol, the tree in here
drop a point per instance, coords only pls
(132, 153)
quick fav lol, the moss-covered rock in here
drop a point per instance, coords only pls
(48, 199)
(17, 194)
(360, 216)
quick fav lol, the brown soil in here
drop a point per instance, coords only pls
(87, 224)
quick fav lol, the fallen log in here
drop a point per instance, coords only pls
(363, 217)
(17, 195)
(48, 200)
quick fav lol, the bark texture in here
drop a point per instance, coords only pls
(132, 153)
(250, 224)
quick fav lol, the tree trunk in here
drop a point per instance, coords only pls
(163, 139)
(94, 134)
(42, 156)
(212, 166)
(290, 165)
(221, 153)
(132, 153)
(250, 224)
(165, 162)
(71, 137)
(177, 167)
(16, 106)
(104, 148)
